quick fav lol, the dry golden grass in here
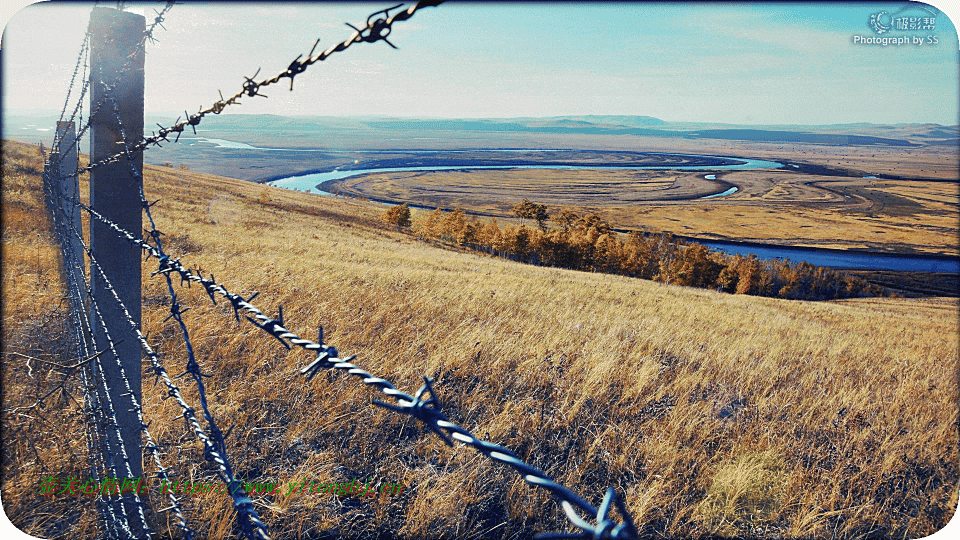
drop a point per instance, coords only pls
(493, 190)
(36, 441)
(712, 413)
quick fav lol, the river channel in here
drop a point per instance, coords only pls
(833, 258)
(310, 182)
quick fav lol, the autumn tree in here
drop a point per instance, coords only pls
(593, 225)
(608, 254)
(398, 216)
(749, 278)
(590, 243)
(456, 228)
(639, 256)
(490, 236)
(728, 278)
(516, 241)
(431, 226)
(565, 219)
(530, 210)
(695, 268)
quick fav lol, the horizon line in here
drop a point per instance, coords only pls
(172, 115)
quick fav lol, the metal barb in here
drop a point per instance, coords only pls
(424, 405)
(378, 27)
(274, 327)
(427, 411)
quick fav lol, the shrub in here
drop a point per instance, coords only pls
(398, 216)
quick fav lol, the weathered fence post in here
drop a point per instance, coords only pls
(68, 189)
(116, 102)
(50, 169)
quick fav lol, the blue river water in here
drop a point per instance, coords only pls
(819, 257)
(837, 258)
(309, 182)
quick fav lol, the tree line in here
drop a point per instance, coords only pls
(567, 239)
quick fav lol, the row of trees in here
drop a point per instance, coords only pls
(589, 243)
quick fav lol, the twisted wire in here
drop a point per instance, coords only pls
(211, 451)
(93, 414)
(147, 36)
(62, 223)
(81, 59)
(377, 28)
(249, 518)
(423, 406)
(151, 446)
(114, 526)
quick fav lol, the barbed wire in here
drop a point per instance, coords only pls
(115, 518)
(128, 63)
(93, 411)
(378, 27)
(424, 405)
(107, 414)
(81, 59)
(108, 91)
(250, 522)
(151, 446)
(248, 516)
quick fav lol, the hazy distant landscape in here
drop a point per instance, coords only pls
(298, 144)
(871, 187)
(881, 188)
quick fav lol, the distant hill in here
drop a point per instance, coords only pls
(314, 132)
(796, 136)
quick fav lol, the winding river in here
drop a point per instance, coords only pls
(833, 258)
(309, 182)
(841, 258)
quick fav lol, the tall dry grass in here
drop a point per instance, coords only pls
(714, 414)
(37, 440)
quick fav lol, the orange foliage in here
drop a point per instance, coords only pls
(589, 243)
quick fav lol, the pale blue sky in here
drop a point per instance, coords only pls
(738, 63)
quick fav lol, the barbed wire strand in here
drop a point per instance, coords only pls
(173, 390)
(377, 28)
(218, 438)
(109, 88)
(62, 223)
(250, 521)
(81, 59)
(192, 367)
(91, 411)
(115, 526)
(135, 405)
(423, 405)
(80, 290)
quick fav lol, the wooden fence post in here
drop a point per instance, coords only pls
(116, 100)
(69, 189)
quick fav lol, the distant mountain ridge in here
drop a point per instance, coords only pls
(303, 131)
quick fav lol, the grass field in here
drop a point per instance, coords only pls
(714, 414)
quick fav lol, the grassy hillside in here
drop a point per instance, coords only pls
(714, 414)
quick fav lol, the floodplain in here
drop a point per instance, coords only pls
(771, 206)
